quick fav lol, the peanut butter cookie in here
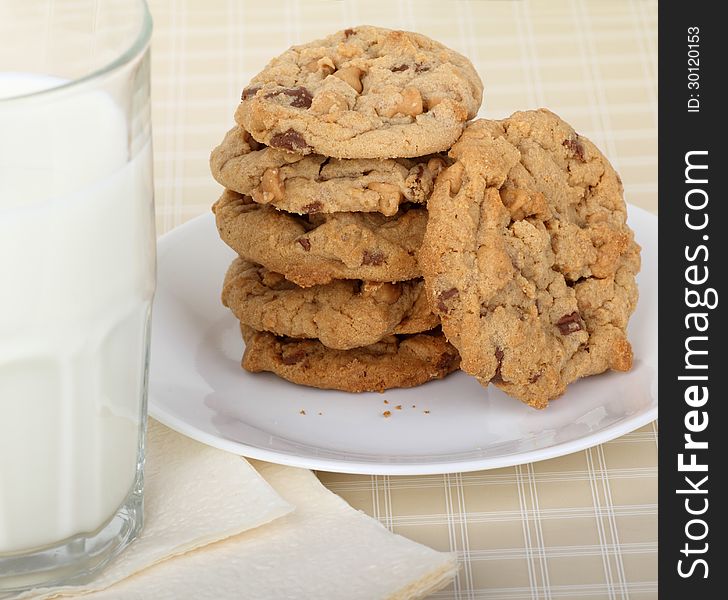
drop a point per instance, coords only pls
(342, 314)
(396, 361)
(528, 259)
(364, 92)
(318, 247)
(314, 183)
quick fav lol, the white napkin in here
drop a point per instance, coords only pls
(324, 550)
(194, 495)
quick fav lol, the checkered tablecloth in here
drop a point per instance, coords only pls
(580, 526)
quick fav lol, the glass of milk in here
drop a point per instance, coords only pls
(77, 276)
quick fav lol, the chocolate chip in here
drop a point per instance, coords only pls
(535, 378)
(569, 324)
(419, 68)
(348, 32)
(575, 146)
(289, 140)
(314, 207)
(499, 358)
(300, 96)
(375, 257)
(250, 91)
(305, 243)
(293, 357)
(446, 361)
(402, 67)
(446, 295)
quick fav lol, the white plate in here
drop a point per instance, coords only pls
(198, 388)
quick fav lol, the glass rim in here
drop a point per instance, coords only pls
(137, 47)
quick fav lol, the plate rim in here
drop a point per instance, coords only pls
(356, 467)
(333, 465)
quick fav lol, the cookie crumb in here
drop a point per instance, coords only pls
(427, 412)
(386, 402)
(301, 412)
(320, 414)
(398, 407)
(414, 406)
(386, 414)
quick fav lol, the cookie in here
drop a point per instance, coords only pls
(396, 361)
(364, 92)
(304, 184)
(342, 314)
(318, 248)
(528, 259)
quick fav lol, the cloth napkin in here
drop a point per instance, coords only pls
(322, 549)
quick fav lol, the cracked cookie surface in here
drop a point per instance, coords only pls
(396, 361)
(528, 259)
(314, 183)
(318, 248)
(342, 314)
(364, 92)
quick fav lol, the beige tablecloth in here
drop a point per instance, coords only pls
(580, 526)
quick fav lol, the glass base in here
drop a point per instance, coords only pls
(75, 560)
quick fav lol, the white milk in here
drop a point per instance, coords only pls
(76, 281)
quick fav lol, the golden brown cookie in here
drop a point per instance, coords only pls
(318, 248)
(396, 361)
(314, 183)
(364, 92)
(342, 314)
(528, 259)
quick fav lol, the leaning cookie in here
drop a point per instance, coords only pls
(314, 183)
(528, 259)
(342, 314)
(318, 248)
(395, 362)
(365, 92)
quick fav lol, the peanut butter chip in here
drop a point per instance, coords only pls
(433, 102)
(383, 292)
(271, 187)
(328, 102)
(390, 193)
(352, 76)
(410, 103)
(454, 176)
(325, 65)
(435, 165)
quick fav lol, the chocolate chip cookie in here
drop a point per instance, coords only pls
(342, 314)
(364, 92)
(396, 361)
(528, 259)
(314, 183)
(317, 248)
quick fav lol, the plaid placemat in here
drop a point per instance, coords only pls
(580, 526)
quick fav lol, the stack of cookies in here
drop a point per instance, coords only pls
(376, 226)
(327, 175)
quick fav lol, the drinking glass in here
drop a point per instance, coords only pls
(77, 277)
